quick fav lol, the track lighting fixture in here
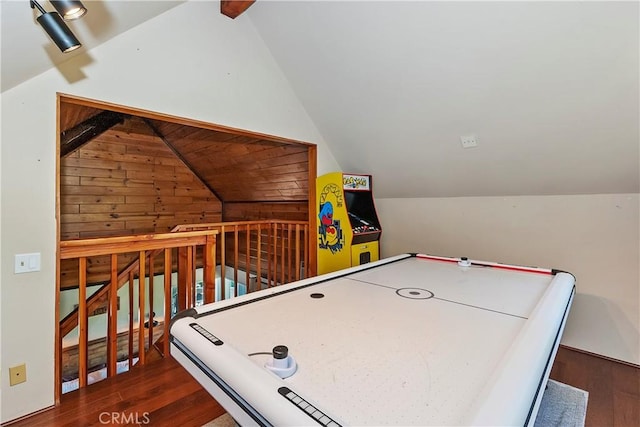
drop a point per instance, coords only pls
(69, 9)
(54, 25)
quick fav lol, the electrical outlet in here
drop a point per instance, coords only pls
(17, 374)
(469, 141)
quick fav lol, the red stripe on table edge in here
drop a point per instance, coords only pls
(492, 265)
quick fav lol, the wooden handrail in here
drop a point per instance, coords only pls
(122, 244)
(217, 225)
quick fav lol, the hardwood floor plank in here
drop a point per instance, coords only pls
(600, 394)
(626, 409)
(161, 389)
(194, 410)
(614, 388)
(626, 395)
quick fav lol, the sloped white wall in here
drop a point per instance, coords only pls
(550, 88)
(595, 237)
(189, 62)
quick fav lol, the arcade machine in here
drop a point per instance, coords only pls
(348, 226)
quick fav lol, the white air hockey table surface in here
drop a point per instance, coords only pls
(408, 340)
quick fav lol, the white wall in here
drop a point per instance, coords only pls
(189, 62)
(1, 269)
(595, 237)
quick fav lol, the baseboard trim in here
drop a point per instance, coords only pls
(610, 359)
(24, 417)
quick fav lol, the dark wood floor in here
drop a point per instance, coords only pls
(614, 388)
(162, 393)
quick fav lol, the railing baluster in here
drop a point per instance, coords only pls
(259, 256)
(247, 262)
(141, 307)
(272, 255)
(297, 264)
(83, 321)
(131, 276)
(190, 279)
(168, 268)
(182, 278)
(223, 262)
(210, 270)
(235, 260)
(192, 267)
(112, 319)
(305, 249)
(289, 254)
(151, 313)
(282, 255)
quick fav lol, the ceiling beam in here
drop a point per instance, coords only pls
(234, 8)
(76, 137)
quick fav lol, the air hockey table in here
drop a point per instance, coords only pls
(408, 340)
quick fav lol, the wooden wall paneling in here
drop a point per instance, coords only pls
(265, 159)
(202, 145)
(276, 183)
(294, 211)
(273, 176)
(127, 181)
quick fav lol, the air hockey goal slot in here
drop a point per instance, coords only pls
(464, 262)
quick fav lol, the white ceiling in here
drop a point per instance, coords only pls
(550, 89)
(27, 50)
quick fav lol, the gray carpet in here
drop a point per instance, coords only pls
(224, 420)
(561, 406)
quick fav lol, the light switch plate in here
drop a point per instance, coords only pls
(26, 263)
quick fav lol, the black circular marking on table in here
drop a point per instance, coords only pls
(414, 293)
(317, 295)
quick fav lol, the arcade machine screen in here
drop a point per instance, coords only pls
(362, 215)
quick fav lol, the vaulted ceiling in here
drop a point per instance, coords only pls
(549, 90)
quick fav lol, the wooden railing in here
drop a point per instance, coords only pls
(273, 252)
(278, 249)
